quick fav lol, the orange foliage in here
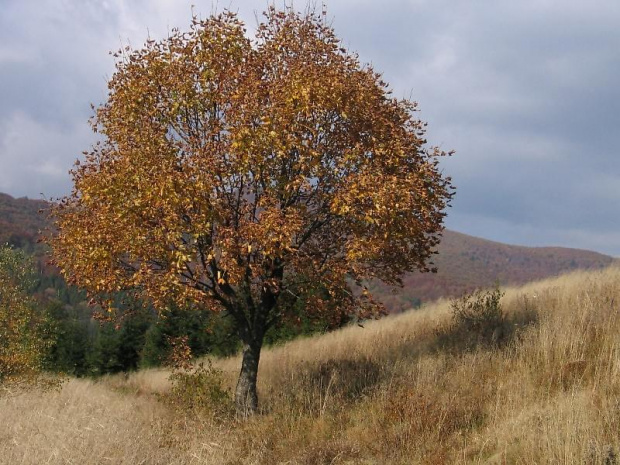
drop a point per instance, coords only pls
(234, 171)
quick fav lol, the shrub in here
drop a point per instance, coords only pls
(197, 390)
(478, 317)
(200, 391)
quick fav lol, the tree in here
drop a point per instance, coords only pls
(24, 337)
(70, 345)
(233, 172)
(206, 333)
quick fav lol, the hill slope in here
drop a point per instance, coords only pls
(20, 220)
(403, 390)
(464, 262)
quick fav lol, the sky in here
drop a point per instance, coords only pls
(525, 92)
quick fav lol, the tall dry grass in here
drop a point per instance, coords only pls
(406, 389)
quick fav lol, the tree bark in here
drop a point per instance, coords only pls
(252, 328)
(246, 396)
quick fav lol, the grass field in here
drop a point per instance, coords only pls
(413, 388)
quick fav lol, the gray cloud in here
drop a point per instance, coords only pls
(526, 93)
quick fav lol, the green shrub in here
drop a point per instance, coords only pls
(200, 391)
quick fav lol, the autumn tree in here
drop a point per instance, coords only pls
(241, 175)
(24, 332)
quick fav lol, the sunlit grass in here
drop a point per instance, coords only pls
(397, 391)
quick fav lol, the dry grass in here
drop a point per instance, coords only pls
(399, 391)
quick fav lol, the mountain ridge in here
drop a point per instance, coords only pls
(465, 263)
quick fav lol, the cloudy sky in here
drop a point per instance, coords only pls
(527, 92)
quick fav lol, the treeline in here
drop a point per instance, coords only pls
(139, 337)
(70, 340)
(84, 346)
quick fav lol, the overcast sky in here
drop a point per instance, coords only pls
(526, 92)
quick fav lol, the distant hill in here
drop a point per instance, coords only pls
(21, 220)
(464, 262)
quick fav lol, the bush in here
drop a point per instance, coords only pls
(200, 391)
(478, 317)
(197, 390)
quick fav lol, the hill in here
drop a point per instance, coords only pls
(408, 389)
(464, 262)
(21, 220)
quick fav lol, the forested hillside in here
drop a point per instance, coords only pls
(465, 263)
(21, 220)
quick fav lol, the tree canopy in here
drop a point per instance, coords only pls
(242, 175)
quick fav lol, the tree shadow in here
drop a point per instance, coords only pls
(317, 387)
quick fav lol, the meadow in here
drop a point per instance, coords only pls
(411, 388)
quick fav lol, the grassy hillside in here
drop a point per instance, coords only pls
(412, 388)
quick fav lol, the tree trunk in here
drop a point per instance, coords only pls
(246, 397)
(252, 321)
